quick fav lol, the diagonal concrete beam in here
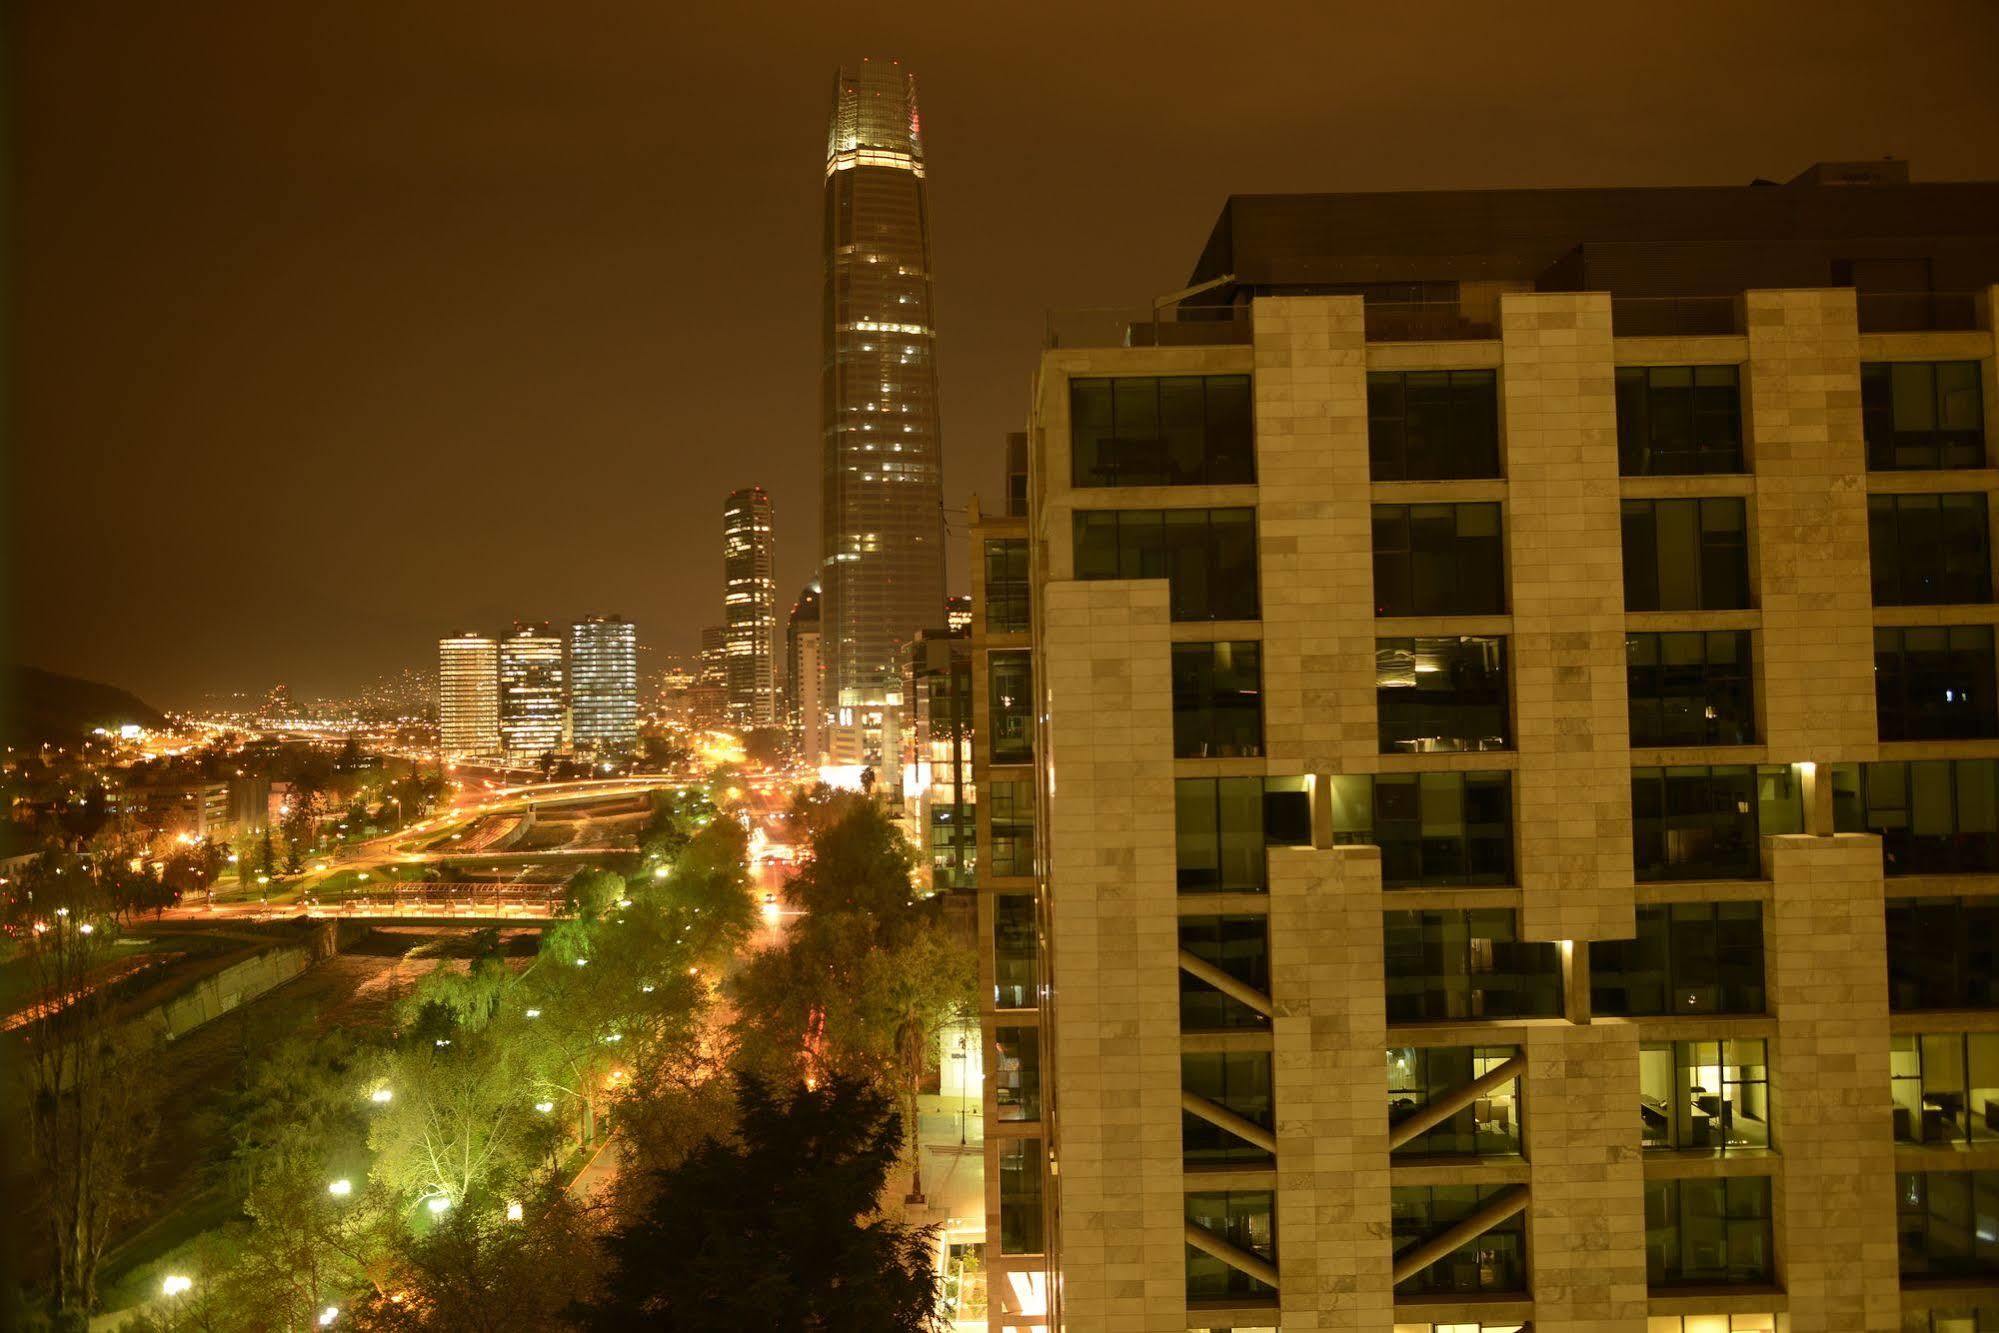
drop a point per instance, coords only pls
(1454, 1101)
(1201, 969)
(1217, 1114)
(1424, 1253)
(1208, 1243)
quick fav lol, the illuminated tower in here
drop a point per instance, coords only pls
(749, 606)
(468, 696)
(882, 530)
(532, 720)
(603, 685)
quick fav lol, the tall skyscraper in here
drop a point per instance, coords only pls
(882, 530)
(468, 696)
(532, 720)
(804, 675)
(603, 685)
(749, 607)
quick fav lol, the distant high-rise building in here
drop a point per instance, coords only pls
(802, 673)
(531, 698)
(714, 656)
(468, 696)
(958, 613)
(882, 529)
(603, 685)
(749, 607)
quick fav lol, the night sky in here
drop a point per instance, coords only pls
(338, 326)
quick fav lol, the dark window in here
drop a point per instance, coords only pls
(1010, 820)
(1246, 1219)
(1432, 425)
(1945, 1087)
(1438, 560)
(1006, 585)
(1207, 556)
(1437, 694)
(1935, 816)
(1923, 414)
(1943, 953)
(1217, 700)
(1708, 1232)
(1678, 420)
(1239, 946)
(1466, 964)
(1948, 1222)
(1020, 1196)
(1695, 822)
(1420, 1075)
(1014, 951)
(1493, 1262)
(1182, 430)
(1691, 688)
(1432, 828)
(1010, 691)
(1934, 683)
(1687, 958)
(1017, 1080)
(1704, 1096)
(1686, 555)
(1237, 1081)
(1929, 550)
(1222, 826)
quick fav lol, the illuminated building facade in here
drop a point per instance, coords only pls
(603, 685)
(533, 721)
(882, 526)
(802, 674)
(468, 696)
(749, 606)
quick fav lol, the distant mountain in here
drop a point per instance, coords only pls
(38, 706)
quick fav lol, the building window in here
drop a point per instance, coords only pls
(1015, 951)
(1691, 688)
(1010, 695)
(1183, 430)
(1686, 958)
(1432, 425)
(1492, 1263)
(1708, 1232)
(1485, 1127)
(1935, 816)
(1698, 821)
(1217, 700)
(1222, 826)
(1934, 683)
(1948, 1223)
(1433, 828)
(1943, 953)
(1686, 555)
(1006, 585)
(1010, 820)
(1017, 1077)
(1207, 556)
(1675, 421)
(1239, 946)
(1704, 1096)
(1441, 694)
(1237, 1081)
(1439, 560)
(1020, 1196)
(1946, 1087)
(1711, 1323)
(1929, 550)
(1922, 414)
(1246, 1219)
(1466, 964)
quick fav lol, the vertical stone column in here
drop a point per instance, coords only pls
(1572, 796)
(1835, 1203)
(1802, 424)
(1586, 1213)
(1329, 1039)
(1114, 945)
(1315, 536)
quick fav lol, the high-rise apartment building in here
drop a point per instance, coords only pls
(802, 694)
(882, 528)
(533, 721)
(1488, 758)
(603, 685)
(468, 696)
(749, 606)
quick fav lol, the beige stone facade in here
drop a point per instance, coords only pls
(1571, 1213)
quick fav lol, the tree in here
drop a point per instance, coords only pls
(855, 861)
(777, 1230)
(766, 746)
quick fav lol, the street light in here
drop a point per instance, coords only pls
(438, 1203)
(176, 1285)
(340, 1188)
(381, 1096)
(328, 1315)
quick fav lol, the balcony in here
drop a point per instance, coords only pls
(1917, 312)
(1188, 326)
